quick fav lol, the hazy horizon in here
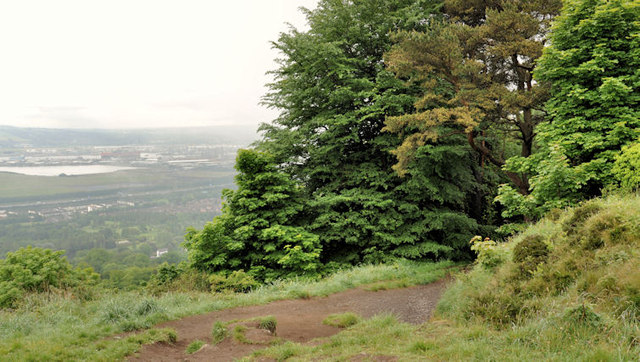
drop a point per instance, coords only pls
(77, 64)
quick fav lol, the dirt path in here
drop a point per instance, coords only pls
(298, 320)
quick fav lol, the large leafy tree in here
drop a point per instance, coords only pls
(334, 94)
(256, 231)
(593, 64)
(475, 67)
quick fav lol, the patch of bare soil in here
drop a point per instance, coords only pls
(298, 320)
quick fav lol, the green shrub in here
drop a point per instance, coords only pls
(166, 274)
(489, 254)
(237, 281)
(529, 253)
(626, 168)
(38, 270)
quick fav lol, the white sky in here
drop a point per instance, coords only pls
(139, 63)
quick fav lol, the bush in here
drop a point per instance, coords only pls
(529, 253)
(38, 270)
(489, 254)
(626, 169)
(178, 277)
(237, 281)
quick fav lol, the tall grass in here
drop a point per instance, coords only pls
(55, 327)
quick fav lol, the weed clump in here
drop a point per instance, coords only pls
(268, 323)
(194, 347)
(343, 320)
(219, 332)
(582, 315)
(114, 312)
(147, 306)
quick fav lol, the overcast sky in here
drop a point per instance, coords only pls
(138, 63)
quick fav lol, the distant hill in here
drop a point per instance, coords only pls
(51, 137)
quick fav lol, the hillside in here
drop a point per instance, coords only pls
(566, 289)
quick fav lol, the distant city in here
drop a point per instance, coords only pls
(134, 155)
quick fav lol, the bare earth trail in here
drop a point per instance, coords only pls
(298, 320)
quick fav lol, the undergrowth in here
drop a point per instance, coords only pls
(49, 326)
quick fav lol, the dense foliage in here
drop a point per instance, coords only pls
(256, 232)
(38, 270)
(626, 169)
(334, 94)
(400, 119)
(593, 66)
(475, 69)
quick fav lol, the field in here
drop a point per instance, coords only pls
(15, 188)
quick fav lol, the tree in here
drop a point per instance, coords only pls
(593, 65)
(475, 68)
(334, 94)
(256, 231)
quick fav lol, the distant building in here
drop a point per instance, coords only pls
(160, 252)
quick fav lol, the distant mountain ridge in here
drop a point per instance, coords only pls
(53, 137)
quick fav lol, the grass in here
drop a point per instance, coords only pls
(268, 323)
(57, 327)
(194, 347)
(239, 334)
(579, 303)
(219, 332)
(343, 320)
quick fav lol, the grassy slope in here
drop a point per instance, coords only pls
(56, 327)
(581, 303)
